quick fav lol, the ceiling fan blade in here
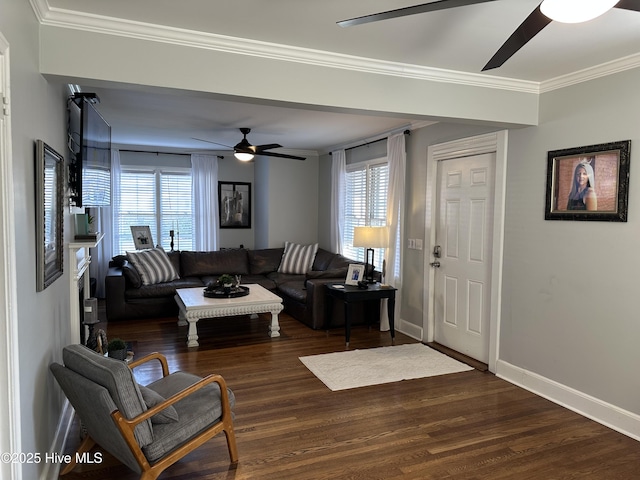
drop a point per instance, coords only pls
(214, 143)
(528, 29)
(280, 155)
(269, 146)
(629, 5)
(403, 12)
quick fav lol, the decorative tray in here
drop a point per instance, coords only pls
(218, 292)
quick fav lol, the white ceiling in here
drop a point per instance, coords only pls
(460, 39)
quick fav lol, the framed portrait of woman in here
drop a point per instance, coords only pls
(589, 183)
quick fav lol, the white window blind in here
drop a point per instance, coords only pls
(176, 210)
(365, 204)
(159, 199)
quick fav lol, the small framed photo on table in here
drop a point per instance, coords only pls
(142, 237)
(355, 274)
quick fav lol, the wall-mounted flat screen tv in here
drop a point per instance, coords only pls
(90, 145)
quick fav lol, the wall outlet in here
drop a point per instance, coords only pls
(418, 243)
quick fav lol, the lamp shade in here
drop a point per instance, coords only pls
(575, 11)
(371, 237)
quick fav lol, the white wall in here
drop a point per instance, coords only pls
(570, 300)
(286, 201)
(37, 112)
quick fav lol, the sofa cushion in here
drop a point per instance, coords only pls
(339, 261)
(338, 273)
(265, 260)
(165, 289)
(294, 290)
(153, 265)
(200, 264)
(131, 275)
(261, 280)
(174, 257)
(280, 278)
(297, 259)
(323, 259)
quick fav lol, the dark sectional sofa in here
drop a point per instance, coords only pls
(303, 295)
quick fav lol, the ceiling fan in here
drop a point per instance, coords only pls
(545, 13)
(245, 152)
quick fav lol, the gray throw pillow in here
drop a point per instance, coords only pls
(151, 399)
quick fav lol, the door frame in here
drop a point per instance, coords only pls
(487, 143)
(10, 433)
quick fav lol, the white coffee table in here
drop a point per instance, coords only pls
(194, 306)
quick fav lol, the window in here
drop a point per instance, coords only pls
(160, 199)
(365, 204)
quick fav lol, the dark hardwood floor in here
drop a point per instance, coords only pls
(469, 425)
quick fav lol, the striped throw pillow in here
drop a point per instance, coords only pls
(153, 265)
(297, 259)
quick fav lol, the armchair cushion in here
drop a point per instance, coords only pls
(151, 399)
(117, 378)
(195, 412)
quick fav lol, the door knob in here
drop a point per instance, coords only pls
(435, 264)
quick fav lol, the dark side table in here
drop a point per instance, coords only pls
(351, 294)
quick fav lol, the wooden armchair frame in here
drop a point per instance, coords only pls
(127, 426)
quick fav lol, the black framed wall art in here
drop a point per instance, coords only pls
(234, 201)
(49, 215)
(589, 183)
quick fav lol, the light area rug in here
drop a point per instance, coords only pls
(374, 366)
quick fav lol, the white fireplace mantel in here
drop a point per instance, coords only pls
(79, 261)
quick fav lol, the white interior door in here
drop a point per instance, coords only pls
(464, 229)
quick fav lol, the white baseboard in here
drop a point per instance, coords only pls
(409, 329)
(51, 470)
(622, 421)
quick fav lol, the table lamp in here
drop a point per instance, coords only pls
(370, 237)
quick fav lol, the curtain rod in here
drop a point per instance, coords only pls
(406, 132)
(146, 151)
(163, 153)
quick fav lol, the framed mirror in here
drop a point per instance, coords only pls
(49, 215)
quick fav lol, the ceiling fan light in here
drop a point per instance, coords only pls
(243, 156)
(575, 11)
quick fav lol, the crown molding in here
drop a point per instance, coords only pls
(41, 8)
(71, 19)
(598, 71)
(63, 18)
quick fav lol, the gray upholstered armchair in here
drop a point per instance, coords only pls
(146, 428)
